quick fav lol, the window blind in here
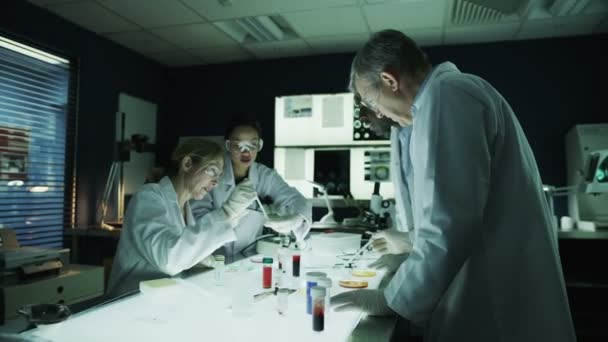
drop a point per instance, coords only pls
(37, 130)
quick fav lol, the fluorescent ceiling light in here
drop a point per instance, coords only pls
(32, 52)
(257, 29)
(39, 188)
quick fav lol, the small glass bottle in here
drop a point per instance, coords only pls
(295, 264)
(219, 269)
(267, 273)
(326, 283)
(318, 308)
(282, 303)
(311, 281)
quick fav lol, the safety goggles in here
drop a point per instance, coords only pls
(213, 171)
(371, 105)
(244, 145)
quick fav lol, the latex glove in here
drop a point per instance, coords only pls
(371, 302)
(243, 195)
(269, 209)
(208, 262)
(389, 262)
(284, 224)
(391, 241)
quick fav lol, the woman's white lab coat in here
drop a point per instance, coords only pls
(485, 264)
(156, 242)
(268, 184)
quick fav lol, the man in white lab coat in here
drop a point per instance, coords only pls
(288, 211)
(484, 264)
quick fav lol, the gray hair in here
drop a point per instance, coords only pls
(387, 50)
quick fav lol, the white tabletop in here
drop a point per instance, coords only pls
(199, 310)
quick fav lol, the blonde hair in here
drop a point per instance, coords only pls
(202, 152)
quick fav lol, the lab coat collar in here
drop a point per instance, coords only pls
(435, 72)
(166, 186)
(228, 176)
(168, 191)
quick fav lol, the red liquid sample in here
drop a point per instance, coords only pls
(267, 278)
(296, 265)
(318, 319)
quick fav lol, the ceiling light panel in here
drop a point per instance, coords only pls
(405, 15)
(153, 14)
(92, 16)
(194, 36)
(327, 22)
(336, 44)
(230, 9)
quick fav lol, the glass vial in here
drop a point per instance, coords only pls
(312, 280)
(326, 283)
(282, 303)
(219, 269)
(296, 265)
(267, 273)
(318, 308)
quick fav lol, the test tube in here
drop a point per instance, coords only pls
(267, 273)
(312, 279)
(326, 283)
(295, 265)
(318, 311)
(282, 301)
(219, 268)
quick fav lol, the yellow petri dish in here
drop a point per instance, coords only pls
(364, 273)
(353, 284)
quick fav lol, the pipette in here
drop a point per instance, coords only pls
(257, 198)
(348, 264)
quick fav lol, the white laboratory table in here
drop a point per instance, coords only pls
(600, 234)
(199, 310)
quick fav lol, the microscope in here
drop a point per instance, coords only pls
(379, 213)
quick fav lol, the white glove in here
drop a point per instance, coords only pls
(389, 262)
(284, 224)
(208, 262)
(268, 209)
(371, 302)
(391, 241)
(243, 195)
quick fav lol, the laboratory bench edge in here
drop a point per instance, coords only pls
(583, 256)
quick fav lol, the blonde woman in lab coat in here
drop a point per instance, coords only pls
(484, 264)
(288, 211)
(160, 236)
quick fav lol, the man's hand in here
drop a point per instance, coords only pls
(389, 262)
(284, 224)
(391, 241)
(371, 302)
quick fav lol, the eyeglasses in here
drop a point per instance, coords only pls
(370, 105)
(213, 171)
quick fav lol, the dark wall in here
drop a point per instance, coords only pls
(106, 69)
(552, 84)
(201, 99)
